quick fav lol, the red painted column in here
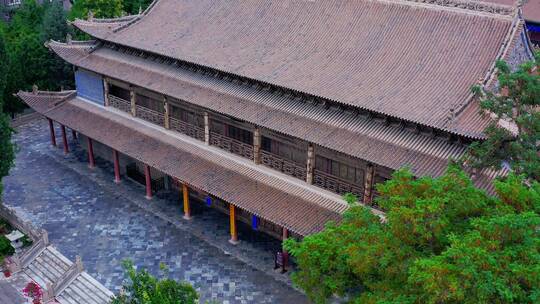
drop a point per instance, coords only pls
(285, 253)
(91, 162)
(116, 166)
(148, 182)
(64, 139)
(53, 136)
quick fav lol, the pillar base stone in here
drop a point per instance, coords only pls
(234, 242)
(148, 197)
(187, 217)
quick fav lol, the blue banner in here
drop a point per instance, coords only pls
(208, 201)
(254, 222)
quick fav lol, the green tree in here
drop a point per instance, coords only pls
(515, 106)
(99, 8)
(7, 149)
(142, 287)
(442, 241)
(132, 7)
(26, 53)
(55, 27)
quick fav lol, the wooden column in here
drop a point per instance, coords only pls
(206, 128)
(64, 139)
(53, 135)
(285, 235)
(167, 114)
(310, 163)
(91, 162)
(187, 207)
(74, 134)
(232, 220)
(116, 166)
(368, 185)
(257, 138)
(148, 179)
(106, 92)
(133, 104)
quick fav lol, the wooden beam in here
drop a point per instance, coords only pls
(116, 166)
(232, 220)
(310, 164)
(53, 135)
(132, 97)
(368, 184)
(206, 128)
(64, 139)
(257, 139)
(187, 207)
(106, 92)
(167, 114)
(148, 180)
(91, 162)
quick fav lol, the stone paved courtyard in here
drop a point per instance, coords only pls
(87, 214)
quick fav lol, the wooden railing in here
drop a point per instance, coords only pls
(286, 166)
(119, 103)
(232, 145)
(188, 129)
(150, 115)
(336, 184)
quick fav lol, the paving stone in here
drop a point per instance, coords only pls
(88, 215)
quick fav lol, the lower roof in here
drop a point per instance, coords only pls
(301, 208)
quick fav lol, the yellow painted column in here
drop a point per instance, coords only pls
(187, 209)
(234, 232)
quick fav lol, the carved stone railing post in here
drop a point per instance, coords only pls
(310, 164)
(166, 119)
(257, 146)
(206, 128)
(48, 293)
(132, 96)
(106, 91)
(368, 186)
(66, 278)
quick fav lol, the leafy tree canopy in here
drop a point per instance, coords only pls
(513, 136)
(99, 8)
(7, 153)
(142, 287)
(30, 62)
(442, 241)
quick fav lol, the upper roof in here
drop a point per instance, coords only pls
(531, 11)
(406, 59)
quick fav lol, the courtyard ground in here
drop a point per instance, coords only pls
(87, 214)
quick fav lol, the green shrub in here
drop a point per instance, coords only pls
(5, 247)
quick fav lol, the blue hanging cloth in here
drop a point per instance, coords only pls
(208, 201)
(254, 222)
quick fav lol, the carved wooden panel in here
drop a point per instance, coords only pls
(336, 184)
(283, 165)
(119, 103)
(187, 129)
(232, 145)
(150, 115)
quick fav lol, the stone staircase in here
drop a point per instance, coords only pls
(64, 281)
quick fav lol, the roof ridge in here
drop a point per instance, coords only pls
(478, 6)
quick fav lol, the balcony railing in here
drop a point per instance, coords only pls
(232, 145)
(188, 129)
(119, 103)
(150, 115)
(336, 184)
(286, 166)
